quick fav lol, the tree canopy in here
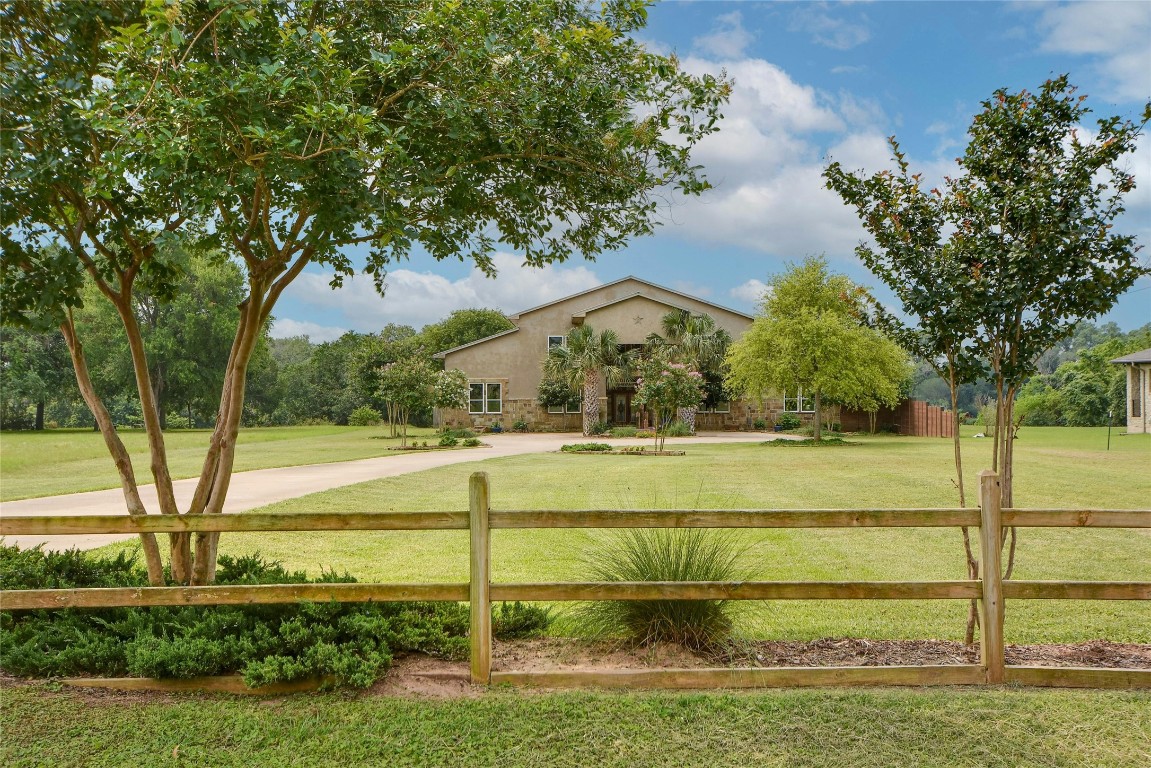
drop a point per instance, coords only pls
(809, 336)
(282, 131)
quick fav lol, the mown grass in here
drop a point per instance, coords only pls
(1056, 467)
(946, 727)
(58, 461)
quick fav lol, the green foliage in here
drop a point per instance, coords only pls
(810, 336)
(460, 433)
(696, 341)
(354, 643)
(585, 447)
(660, 554)
(600, 428)
(824, 442)
(788, 421)
(447, 441)
(364, 416)
(520, 426)
(413, 384)
(471, 442)
(463, 326)
(624, 431)
(759, 424)
(676, 429)
(515, 621)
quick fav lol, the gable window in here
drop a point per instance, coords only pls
(797, 402)
(485, 397)
(555, 341)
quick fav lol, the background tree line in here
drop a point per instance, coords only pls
(291, 381)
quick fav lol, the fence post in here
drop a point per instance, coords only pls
(991, 615)
(479, 592)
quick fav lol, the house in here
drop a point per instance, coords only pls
(1138, 366)
(504, 370)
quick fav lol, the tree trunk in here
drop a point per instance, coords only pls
(39, 426)
(120, 455)
(817, 421)
(687, 416)
(972, 563)
(590, 400)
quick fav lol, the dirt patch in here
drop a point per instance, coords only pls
(423, 677)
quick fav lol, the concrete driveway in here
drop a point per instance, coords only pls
(260, 487)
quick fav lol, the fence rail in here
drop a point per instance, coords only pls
(990, 589)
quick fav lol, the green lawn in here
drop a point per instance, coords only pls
(69, 461)
(1055, 467)
(945, 727)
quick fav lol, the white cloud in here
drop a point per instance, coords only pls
(418, 298)
(752, 291)
(727, 39)
(1116, 33)
(831, 31)
(285, 327)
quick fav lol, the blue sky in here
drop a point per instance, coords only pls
(813, 81)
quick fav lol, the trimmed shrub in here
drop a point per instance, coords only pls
(584, 447)
(447, 441)
(520, 426)
(471, 442)
(351, 642)
(364, 416)
(513, 621)
(760, 424)
(659, 554)
(789, 421)
(462, 434)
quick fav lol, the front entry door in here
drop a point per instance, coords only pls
(620, 404)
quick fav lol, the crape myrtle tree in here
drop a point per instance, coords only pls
(913, 254)
(1011, 255)
(414, 384)
(666, 387)
(696, 341)
(810, 335)
(289, 129)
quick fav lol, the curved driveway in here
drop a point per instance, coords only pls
(260, 487)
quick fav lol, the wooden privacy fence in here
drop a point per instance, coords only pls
(991, 590)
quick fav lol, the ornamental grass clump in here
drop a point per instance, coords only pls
(664, 555)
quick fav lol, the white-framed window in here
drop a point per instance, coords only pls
(485, 397)
(798, 402)
(723, 407)
(556, 341)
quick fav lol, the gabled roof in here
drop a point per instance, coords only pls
(584, 313)
(1142, 356)
(517, 315)
(440, 355)
(514, 318)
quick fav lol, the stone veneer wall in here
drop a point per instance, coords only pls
(741, 417)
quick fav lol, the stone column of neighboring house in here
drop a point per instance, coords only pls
(1138, 369)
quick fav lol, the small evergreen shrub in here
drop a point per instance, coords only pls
(462, 434)
(624, 431)
(448, 441)
(351, 642)
(176, 421)
(663, 554)
(789, 421)
(364, 416)
(520, 426)
(601, 428)
(514, 621)
(677, 429)
(759, 424)
(471, 442)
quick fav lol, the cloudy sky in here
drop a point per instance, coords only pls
(813, 81)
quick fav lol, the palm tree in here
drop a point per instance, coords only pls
(695, 341)
(585, 360)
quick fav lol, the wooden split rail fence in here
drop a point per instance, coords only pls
(991, 590)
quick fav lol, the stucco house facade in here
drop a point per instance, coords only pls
(1138, 369)
(504, 370)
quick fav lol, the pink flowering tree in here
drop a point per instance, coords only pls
(665, 387)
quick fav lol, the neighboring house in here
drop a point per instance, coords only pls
(504, 370)
(1138, 366)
